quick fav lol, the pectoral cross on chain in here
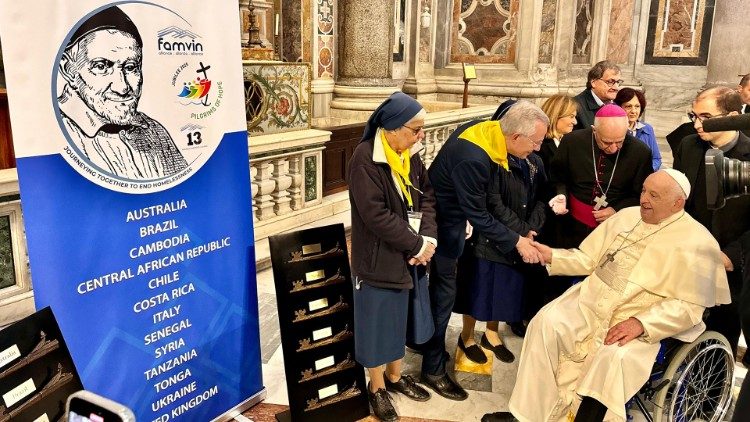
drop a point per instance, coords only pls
(601, 202)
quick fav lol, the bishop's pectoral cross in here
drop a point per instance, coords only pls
(601, 202)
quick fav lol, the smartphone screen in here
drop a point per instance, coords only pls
(85, 411)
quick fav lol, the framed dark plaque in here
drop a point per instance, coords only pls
(37, 373)
(314, 295)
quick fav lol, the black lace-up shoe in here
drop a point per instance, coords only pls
(473, 352)
(381, 405)
(498, 417)
(445, 386)
(500, 351)
(408, 387)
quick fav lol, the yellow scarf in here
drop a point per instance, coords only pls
(488, 136)
(400, 164)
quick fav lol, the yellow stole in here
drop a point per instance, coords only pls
(400, 164)
(488, 136)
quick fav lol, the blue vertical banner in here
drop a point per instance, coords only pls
(131, 143)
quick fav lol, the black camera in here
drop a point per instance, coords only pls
(725, 178)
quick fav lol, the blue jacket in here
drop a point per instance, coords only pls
(460, 176)
(645, 132)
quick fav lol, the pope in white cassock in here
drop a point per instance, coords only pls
(651, 272)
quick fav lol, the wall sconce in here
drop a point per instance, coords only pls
(426, 18)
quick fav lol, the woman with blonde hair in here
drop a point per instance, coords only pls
(562, 111)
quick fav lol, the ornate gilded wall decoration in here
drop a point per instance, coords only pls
(547, 35)
(277, 97)
(484, 31)
(679, 32)
(582, 35)
(325, 39)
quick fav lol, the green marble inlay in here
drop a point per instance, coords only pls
(311, 185)
(7, 270)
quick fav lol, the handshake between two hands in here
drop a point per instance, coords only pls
(533, 252)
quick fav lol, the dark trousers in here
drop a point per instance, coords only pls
(442, 297)
(744, 311)
(725, 320)
(742, 407)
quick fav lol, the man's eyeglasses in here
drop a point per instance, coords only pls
(697, 117)
(534, 143)
(612, 82)
(415, 130)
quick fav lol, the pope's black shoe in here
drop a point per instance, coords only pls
(381, 405)
(500, 351)
(408, 387)
(473, 352)
(445, 386)
(498, 417)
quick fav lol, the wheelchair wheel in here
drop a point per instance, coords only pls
(701, 377)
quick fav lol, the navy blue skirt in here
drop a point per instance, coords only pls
(380, 317)
(489, 291)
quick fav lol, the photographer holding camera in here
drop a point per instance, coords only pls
(729, 223)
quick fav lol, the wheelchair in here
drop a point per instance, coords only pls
(690, 382)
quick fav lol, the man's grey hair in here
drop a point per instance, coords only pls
(597, 71)
(521, 118)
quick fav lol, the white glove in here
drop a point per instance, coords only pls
(559, 204)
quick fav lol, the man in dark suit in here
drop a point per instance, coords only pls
(602, 84)
(744, 90)
(729, 223)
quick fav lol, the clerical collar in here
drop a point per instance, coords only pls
(597, 99)
(729, 145)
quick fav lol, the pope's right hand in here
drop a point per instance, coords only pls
(528, 252)
(559, 204)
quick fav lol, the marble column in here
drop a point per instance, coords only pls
(365, 58)
(421, 80)
(729, 51)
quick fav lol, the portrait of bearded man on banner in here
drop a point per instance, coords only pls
(102, 69)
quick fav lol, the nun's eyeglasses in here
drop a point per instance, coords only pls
(415, 130)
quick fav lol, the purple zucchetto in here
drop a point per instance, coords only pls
(398, 109)
(611, 110)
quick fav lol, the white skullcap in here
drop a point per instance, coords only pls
(680, 178)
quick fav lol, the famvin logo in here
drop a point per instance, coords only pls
(176, 41)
